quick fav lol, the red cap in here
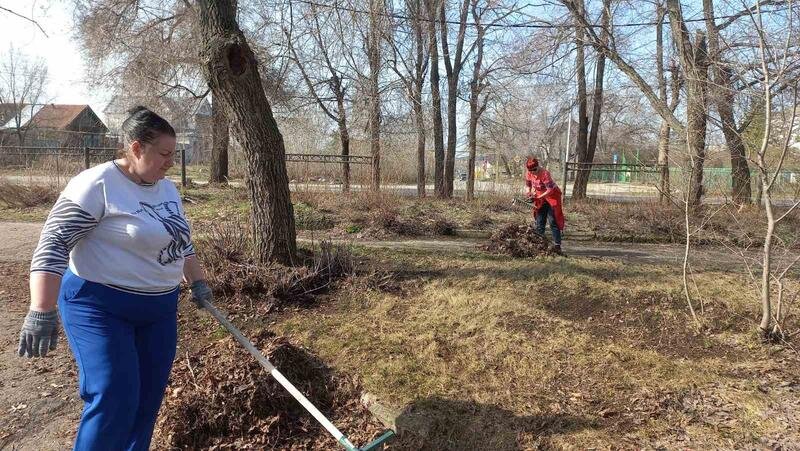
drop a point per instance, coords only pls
(532, 164)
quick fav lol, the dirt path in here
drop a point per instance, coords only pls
(39, 403)
(18, 240)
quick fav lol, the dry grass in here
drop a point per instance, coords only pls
(382, 215)
(18, 196)
(502, 353)
(658, 223)
(366, 215)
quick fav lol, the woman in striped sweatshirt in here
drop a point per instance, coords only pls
(110, 260)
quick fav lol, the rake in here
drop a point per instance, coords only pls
(333, 430)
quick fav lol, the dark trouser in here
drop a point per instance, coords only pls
(545, 212)
(124, 345)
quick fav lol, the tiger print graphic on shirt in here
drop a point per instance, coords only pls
(169, 216)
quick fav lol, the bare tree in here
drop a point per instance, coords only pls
(322, 67)
(146, 50)
(453, 66)
(476, 105)
(723, 92)
(694, 65)
(410, 66)
(582, 136)
(374, 39)
(480, 81)
(373, 36)
(440, 188)
(232, 73)
(586, 142)
(676, 82)
(218, 172)
(694, 61)
(772, 71)
(22, 85)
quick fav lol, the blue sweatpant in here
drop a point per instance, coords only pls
(123, 345)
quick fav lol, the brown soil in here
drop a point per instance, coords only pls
(18, 240)
(39, 403)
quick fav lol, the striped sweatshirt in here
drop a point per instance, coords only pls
(113, 231)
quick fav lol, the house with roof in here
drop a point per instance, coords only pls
(52, 125)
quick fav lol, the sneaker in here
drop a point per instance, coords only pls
(557, 249)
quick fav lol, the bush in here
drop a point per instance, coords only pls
(306, 217)
(233, 274)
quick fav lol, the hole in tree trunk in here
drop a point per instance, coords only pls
(236, 59)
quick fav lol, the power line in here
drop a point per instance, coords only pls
(543, 25)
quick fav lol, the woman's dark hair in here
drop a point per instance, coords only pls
(144, 126)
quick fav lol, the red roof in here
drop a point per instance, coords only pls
(56, 116)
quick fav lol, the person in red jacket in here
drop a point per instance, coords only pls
(546, 198)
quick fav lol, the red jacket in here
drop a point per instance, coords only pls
(541, 183)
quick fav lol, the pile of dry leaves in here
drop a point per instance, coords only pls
(220, 398)
(519, 241)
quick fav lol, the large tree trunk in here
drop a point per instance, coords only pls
(473, 144)
(231, 70)
(344, 137)
(374, 56)
(695, 66)
(436, 101)
(581, 143)
(453, 65)
(740, 171)
(723, 94)
(475, 110)
(419, 120)
(696, 122)
(344, 134)
(597, 104)
(452, 129)
(219, 147)
(416, 97)
(664, 132)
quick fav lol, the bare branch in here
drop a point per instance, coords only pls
(33, 21)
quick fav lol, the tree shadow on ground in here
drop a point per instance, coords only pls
(445, 424)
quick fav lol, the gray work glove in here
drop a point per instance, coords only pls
(39, 334)
(201, 292)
